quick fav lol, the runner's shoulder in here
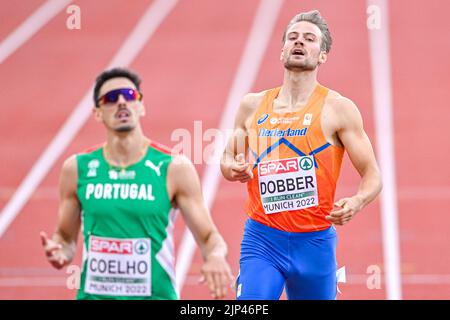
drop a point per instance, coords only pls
(252, 100)
(181, 171)
(70, 163)
(181, 163)
(340, 105)
(161, 147)
(69, 171)
(248, 107)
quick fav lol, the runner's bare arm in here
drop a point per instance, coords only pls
(184, 185)
(355, 140)
(60, 248)
(233, 164)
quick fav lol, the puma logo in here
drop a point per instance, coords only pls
(152, 166)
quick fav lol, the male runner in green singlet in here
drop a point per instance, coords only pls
(123, 195)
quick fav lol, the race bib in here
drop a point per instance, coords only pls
(119, 267)
(287, 184)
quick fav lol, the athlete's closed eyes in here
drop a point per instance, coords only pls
(307, 35)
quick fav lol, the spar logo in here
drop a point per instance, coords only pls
(111, 246)
(278, 167)
(262, 118)
(306, 164)
(141, 247)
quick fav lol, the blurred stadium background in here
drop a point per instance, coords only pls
(191, 55)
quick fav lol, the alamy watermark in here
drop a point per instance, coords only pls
(207, 146)
(73, 21)
(374, 277)
(373, 17)
(73, 280)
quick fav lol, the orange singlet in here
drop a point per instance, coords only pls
(295, 168)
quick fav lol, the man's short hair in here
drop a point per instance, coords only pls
(114, 73)
(315, 18)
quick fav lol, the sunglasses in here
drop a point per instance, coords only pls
(113, 95)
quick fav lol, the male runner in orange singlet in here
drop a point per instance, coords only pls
(295, 137)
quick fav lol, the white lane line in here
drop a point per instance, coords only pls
(382, 105)
(142, 32)
(33, 282)
(250, 62)
(417, 193)
(31, 26)
(409, 279)
(362, 279)
(352, 279)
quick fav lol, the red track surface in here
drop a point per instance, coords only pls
(188, 68)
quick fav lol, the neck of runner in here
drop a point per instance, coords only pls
(122, 151)
(297, 89)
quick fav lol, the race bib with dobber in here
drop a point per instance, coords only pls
(287, 184)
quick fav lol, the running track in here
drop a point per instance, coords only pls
(188, 67)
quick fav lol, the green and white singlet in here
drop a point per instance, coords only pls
(127, 224)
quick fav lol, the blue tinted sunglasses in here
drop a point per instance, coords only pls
(112, 96)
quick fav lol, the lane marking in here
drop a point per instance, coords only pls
(33, 282)
(141, 33)
(439, 193)
(382, 105)
(249, 65)
(352, 279)
(30, 27)
(361, 279)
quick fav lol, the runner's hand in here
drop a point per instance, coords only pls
(240, 170)
(54, 251)
(217, 274)
(344, 210)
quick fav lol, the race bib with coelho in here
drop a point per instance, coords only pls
(119, 267)
(287, 184)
